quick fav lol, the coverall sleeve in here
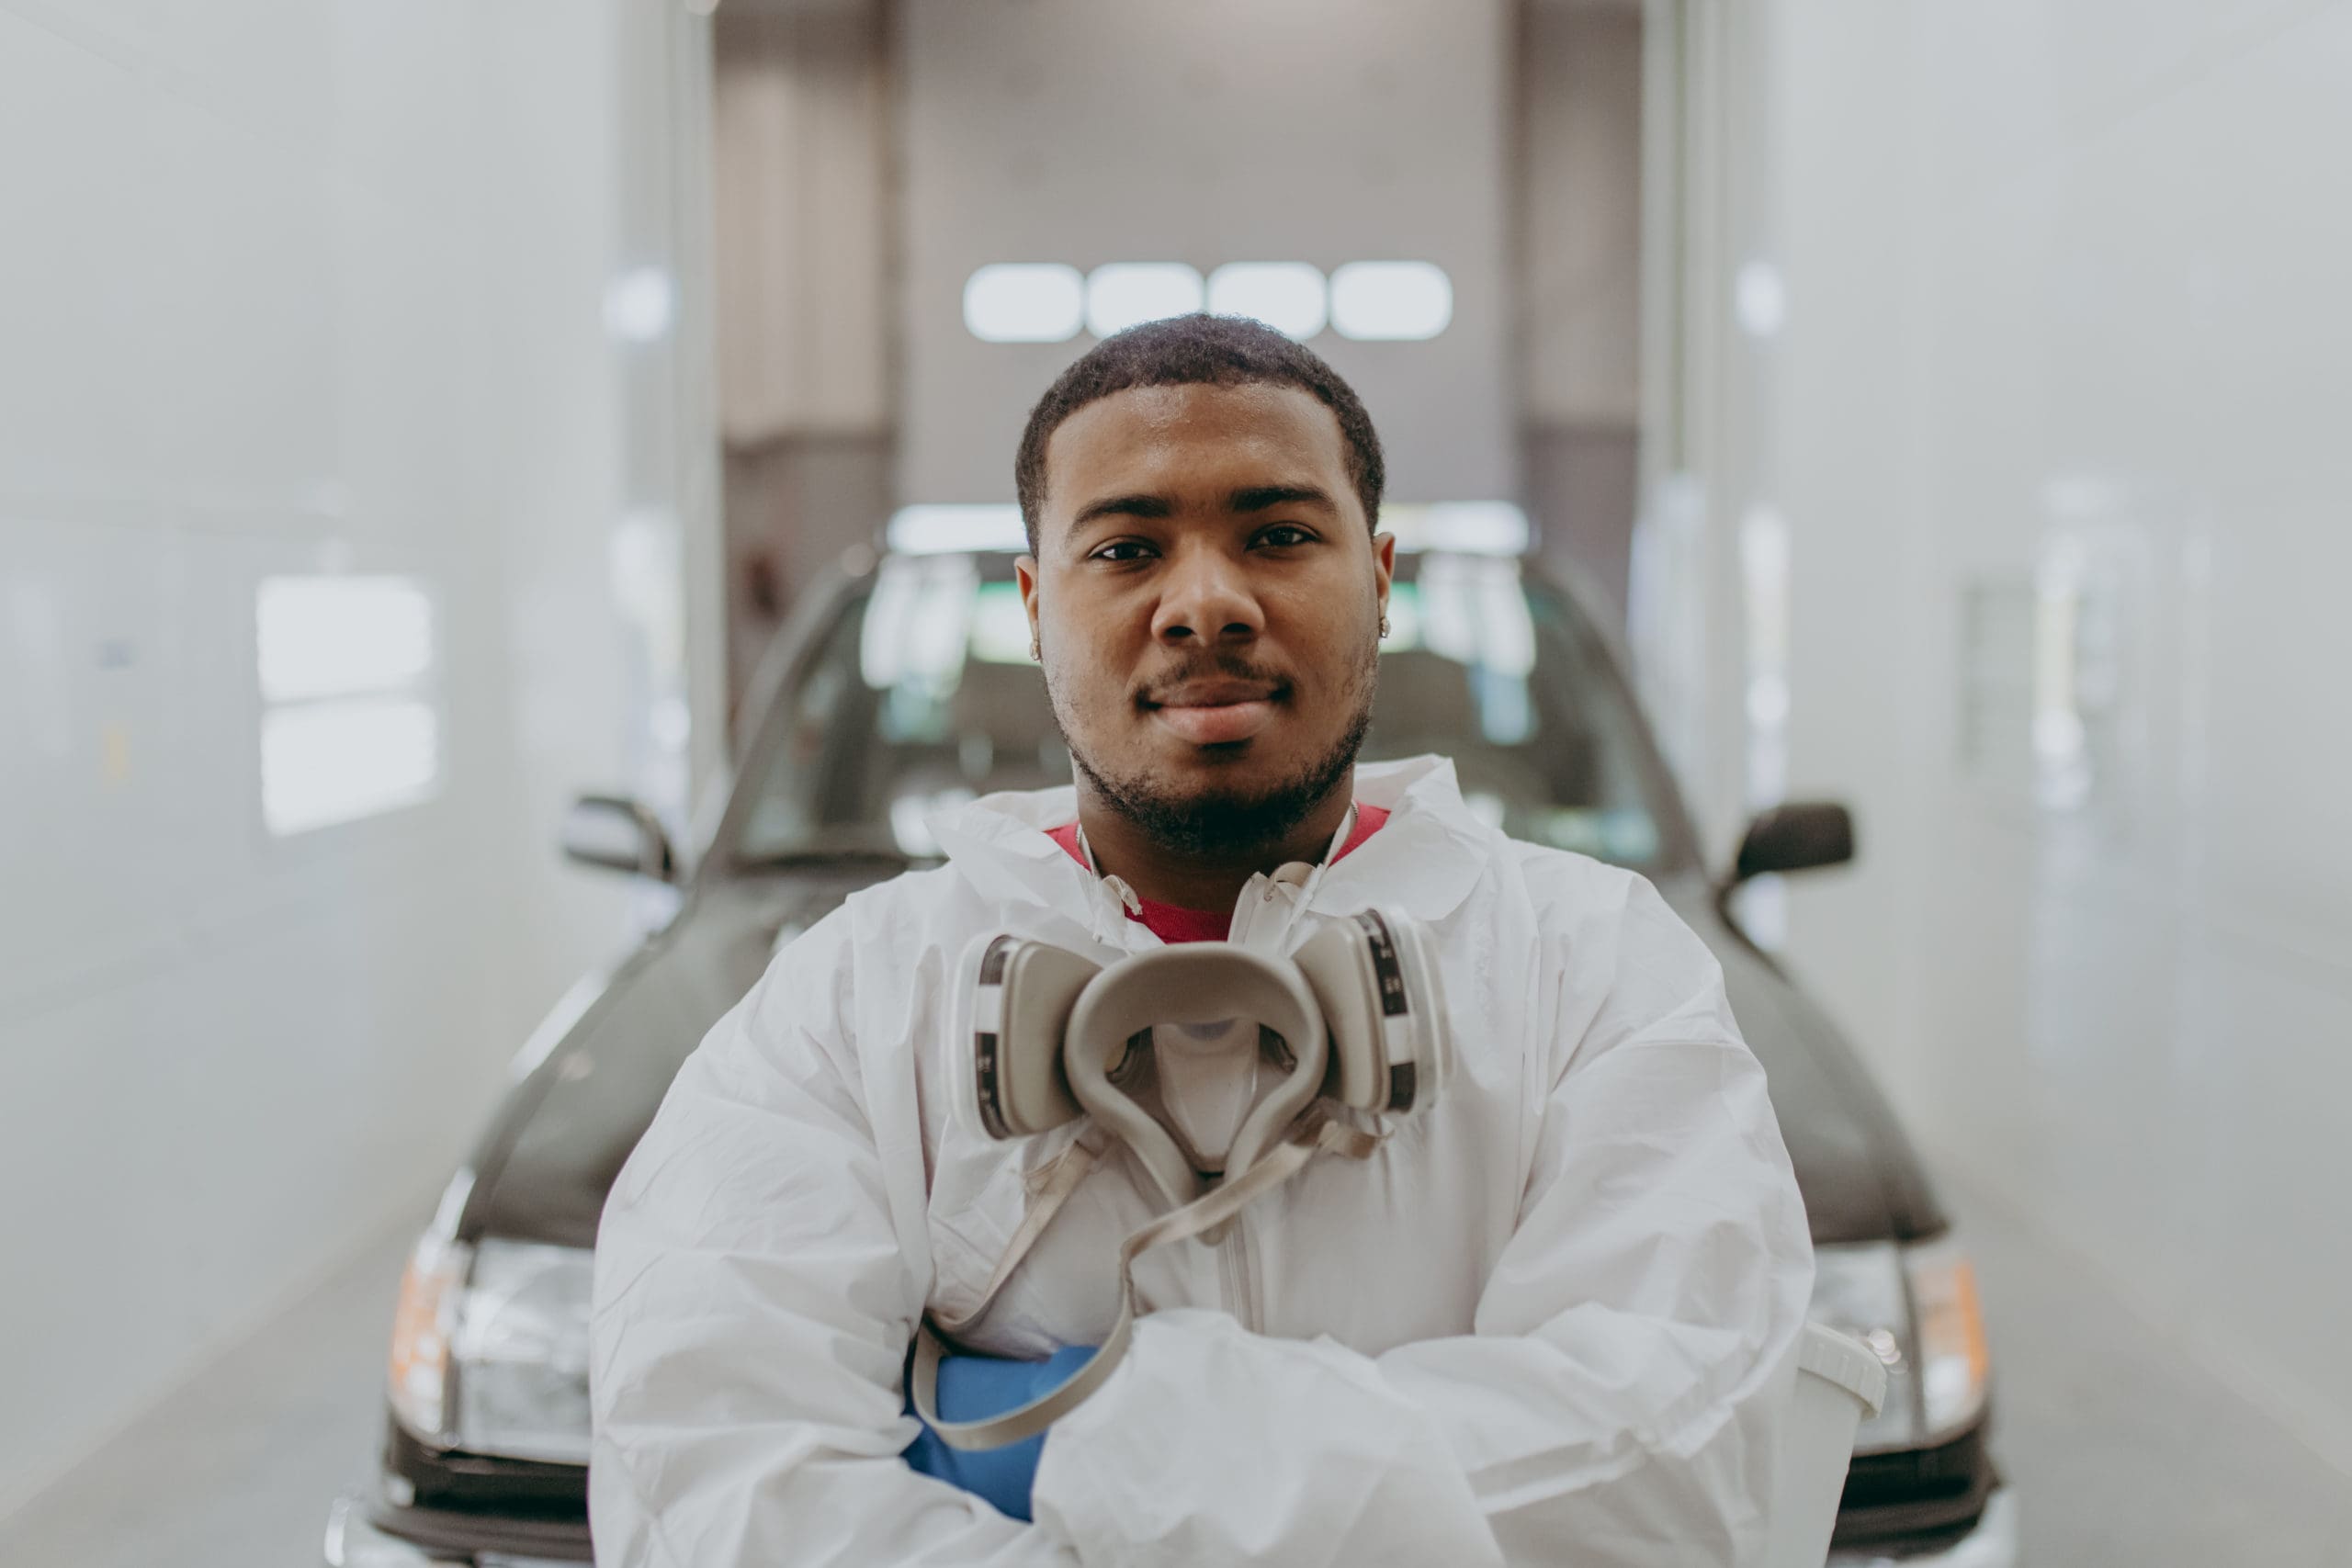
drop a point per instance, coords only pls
(752, 1307)
(1618, 1401)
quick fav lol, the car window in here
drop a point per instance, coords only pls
(922, 695)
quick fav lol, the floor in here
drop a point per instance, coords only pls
(2121, 1453)
(236, 1469)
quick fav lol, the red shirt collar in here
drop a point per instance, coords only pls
(1172, 923)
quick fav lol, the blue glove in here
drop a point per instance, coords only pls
(972, 1388)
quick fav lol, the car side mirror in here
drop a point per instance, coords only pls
(618, 834)
(1798, 836)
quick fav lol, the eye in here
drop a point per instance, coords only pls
(1282, 535)
(1120, 551)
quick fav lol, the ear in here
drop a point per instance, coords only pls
(1383, 566)
(1024, 570)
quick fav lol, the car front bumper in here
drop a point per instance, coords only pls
(353, 1543)
(1990, 1542)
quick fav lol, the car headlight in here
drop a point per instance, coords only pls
(418, 1384)
(490, 1346)
(522, 1352)
(1955, 1364)
(1918, 1308)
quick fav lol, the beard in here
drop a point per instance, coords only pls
(1217, 823)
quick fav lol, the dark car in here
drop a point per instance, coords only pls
(904, 685)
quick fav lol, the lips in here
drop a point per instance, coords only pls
(1214, 712)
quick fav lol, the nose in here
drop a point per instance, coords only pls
(1205, 600)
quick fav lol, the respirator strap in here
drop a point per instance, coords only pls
(1060, 1180)
(1214, 1211)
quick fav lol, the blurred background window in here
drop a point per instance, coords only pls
(350, 725)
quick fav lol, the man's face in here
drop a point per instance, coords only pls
(1208, 595)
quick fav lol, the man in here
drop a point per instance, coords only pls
(1547, 1322)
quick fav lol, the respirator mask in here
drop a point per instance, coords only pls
(1218, 1066)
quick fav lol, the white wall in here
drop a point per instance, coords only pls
(291, 288)
(2067, 337)
(1065, 131)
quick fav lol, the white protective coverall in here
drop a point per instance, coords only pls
(1549, 1322)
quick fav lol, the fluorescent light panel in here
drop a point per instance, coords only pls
(1025, 302)
(1400, 301)
(1391, 301)
(1290, 296)
(1460, 527)
(1120, 295)
(958, 529)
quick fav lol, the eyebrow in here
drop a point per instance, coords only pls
(1123, 506)
(1259, 498)
(1253, 498)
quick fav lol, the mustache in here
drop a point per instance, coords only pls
(1215, 667)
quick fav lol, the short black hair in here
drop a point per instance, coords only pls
(1197, 350)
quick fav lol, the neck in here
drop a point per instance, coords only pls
(1209, 880)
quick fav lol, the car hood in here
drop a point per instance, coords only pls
(1862, 1180)
(552, 1151)
(543, 1167)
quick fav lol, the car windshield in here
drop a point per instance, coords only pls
(922, 695)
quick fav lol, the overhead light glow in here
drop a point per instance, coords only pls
(911, 817)
(1391, 301)
(1000, 625)
(1025, 302)
(917, 622)
(1475, 612)
(1460, 527)
(935, 530)
(639, 304)
(1760, 299)
(1120, 295)
(1290, 296)
(1404, 620)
